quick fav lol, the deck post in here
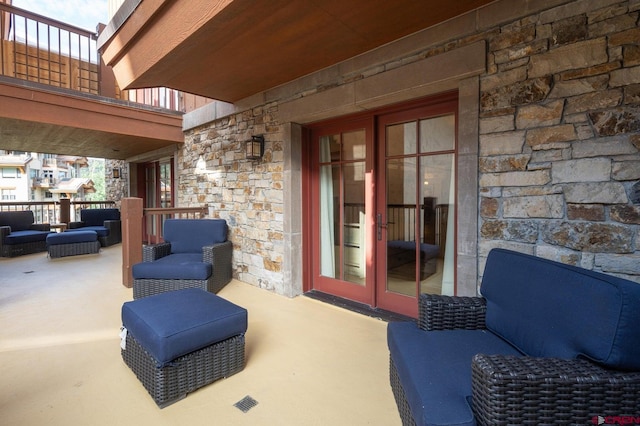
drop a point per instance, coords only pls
(131, 216)
(65, 211)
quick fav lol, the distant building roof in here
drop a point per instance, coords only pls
(73, 185)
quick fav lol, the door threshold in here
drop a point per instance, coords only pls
(360, 308)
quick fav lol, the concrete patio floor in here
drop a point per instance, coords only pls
(307, 362)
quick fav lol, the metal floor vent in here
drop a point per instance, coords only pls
(246, 404)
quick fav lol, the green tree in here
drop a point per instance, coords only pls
(96, 172)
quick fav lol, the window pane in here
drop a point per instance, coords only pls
(354, 221)
(437, 196)
(401, 139)
(329, 220)
(329, 148)
(353, 145)
(437, 134)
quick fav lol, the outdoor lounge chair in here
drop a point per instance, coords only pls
(195, 254)
(19, 235)
(104, 222)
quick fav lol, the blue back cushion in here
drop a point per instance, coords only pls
(96, 217)
(190, 235)
(549, 309)
(18, 220)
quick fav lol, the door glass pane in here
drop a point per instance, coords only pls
(401, 225)
(437, 134)
(354, 221)
(342, 210)
(329, 148)
(437, 196)
(329, 220)
(353, 145)
(401, 139)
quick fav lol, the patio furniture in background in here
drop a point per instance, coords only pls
(72, 243)
(105, 222)
(19, 235)
(548, 343)
(195, 254)
(177, 342)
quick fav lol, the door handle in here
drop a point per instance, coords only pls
(380, 225)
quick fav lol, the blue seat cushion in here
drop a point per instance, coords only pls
(100, 230)
(22, 237)
(175, 323)
(179, 266)
(190, 235)
(434, 368)
(550, 309)
(71, 237)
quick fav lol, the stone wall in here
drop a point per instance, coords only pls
(560, 137)
(116, 189)
(559, 145)
(248, 194)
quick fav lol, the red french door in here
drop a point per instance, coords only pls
(415, 207)
(342, 214)
(382, 205)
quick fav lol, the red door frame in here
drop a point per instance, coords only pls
(437, 106)
(310, 178)
(352, 291)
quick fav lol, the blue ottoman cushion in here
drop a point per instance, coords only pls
(179, 266)
(172, 324)
(100, 230)
(71, 237)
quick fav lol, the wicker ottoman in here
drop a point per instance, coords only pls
(72, 243)
(179, 341)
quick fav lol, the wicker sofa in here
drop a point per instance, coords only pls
(19, 235)
(104, 222)
(548, 343)
(195, 254)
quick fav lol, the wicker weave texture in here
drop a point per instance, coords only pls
(398, 394)
(171, 383)
(14, 250)
(73, 249)
(510, 390)
(437, 312)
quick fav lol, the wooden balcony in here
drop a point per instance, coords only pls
(57, 96)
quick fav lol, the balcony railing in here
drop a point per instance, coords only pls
(42, 50)
(63, 211)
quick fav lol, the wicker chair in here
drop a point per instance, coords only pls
(195, 254)
(511, 390)
(104, 222)
(522, 389)
(19, 235)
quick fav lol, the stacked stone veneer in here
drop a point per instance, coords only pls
(248, 194)
(559, 140)
(116, 189)
(559, 153)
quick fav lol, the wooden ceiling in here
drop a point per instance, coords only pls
(232, 49)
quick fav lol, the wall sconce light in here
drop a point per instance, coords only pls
(116, 173)
(254, 147)
(201, 165)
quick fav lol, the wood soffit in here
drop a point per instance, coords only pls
(229, 50)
